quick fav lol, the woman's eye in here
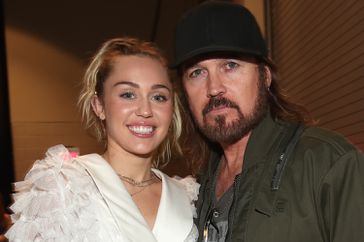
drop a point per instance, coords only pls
(160, 98)
(231, 65)
(127, 95)
(195, 73)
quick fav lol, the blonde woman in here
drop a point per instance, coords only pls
(120, 195)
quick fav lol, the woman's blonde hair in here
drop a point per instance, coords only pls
(98, 71)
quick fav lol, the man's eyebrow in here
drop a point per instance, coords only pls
(196, 65)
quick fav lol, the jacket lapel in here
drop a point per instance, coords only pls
(121, 206)
(175, 218)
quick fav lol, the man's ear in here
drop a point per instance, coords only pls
(268, 77)
(98, 107)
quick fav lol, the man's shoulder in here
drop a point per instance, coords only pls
(320, 139)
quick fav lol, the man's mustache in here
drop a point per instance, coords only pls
(217, 102)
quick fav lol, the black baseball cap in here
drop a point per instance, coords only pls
(217, 26)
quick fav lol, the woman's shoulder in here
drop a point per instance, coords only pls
(57, 159)
(52, 173)
(49, 202)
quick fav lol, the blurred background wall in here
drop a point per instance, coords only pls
(319, 50)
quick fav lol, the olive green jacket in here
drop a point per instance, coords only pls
(320, 194)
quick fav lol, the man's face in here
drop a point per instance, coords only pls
(226, 97)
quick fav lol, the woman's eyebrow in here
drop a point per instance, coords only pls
(157, 86)
(126, 83)
(133, 84)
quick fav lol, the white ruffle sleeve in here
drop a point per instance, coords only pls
(54, 202)
(192, 188)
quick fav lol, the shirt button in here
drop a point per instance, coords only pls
(216, 213)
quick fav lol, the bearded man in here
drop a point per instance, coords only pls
(270, 175)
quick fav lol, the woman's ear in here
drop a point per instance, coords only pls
(268, 77)
(98, 107)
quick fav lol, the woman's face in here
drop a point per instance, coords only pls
(137, 105)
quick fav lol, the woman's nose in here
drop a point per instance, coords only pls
(144, 109)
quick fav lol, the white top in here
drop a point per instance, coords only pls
(82, 199)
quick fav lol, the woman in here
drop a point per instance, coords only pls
(128, 98)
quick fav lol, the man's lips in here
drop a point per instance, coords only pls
(218, 105)
(219, 109)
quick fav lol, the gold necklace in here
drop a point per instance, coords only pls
(143, 183)
(139, 191)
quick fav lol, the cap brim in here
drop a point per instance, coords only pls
(214, 49)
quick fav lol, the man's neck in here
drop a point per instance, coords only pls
(234, 156)
(231, 165)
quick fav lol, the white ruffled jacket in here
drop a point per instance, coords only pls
(82, 199)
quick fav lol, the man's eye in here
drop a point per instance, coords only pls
(231, 65)
(127, 95)
(160, 98)
(195, 73)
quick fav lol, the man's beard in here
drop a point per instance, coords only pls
(229, 133)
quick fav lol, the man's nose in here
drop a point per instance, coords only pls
(215, 86)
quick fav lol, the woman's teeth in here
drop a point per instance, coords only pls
(141, 129)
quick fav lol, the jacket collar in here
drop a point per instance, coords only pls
(262, 139)
(174, 204)
(265, 146)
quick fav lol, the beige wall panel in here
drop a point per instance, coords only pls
(336, 84)
(319, 49)
(44, 82)
(32, 139)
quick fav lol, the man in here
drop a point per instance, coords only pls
(270, 176)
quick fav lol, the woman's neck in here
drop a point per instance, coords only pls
(129, 165)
